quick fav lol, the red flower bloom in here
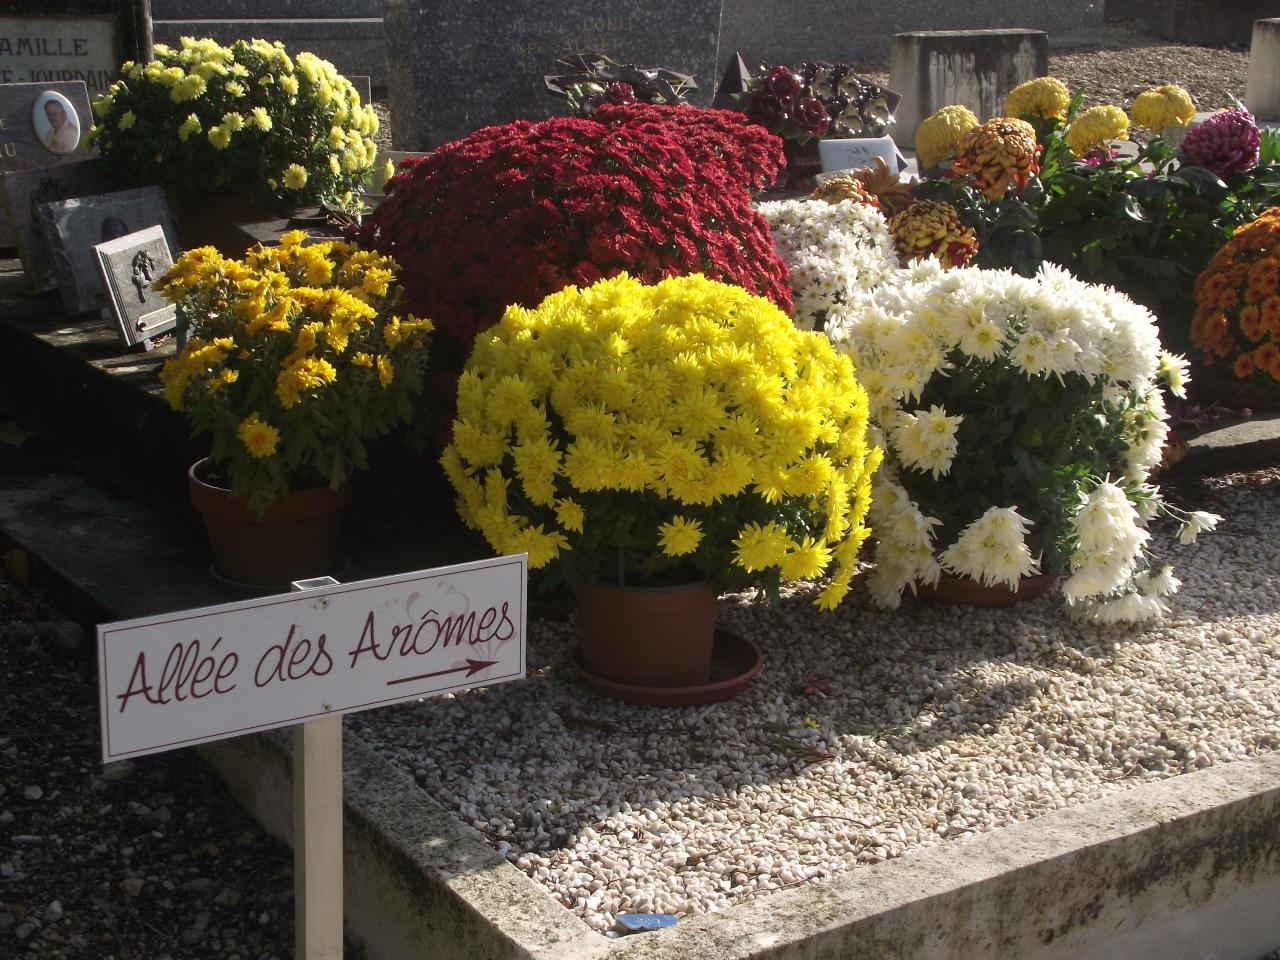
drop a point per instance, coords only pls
(512, 213)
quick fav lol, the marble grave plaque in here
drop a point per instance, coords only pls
(72, 228)
(24, 190)
(52, 49)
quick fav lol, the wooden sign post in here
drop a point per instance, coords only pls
(304, 659)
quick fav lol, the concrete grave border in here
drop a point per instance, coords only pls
(1184, 867)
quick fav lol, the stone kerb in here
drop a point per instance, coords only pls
(976, 68)
(1262, 90)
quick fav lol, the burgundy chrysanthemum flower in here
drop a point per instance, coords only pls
(1226, 143)
(512, 213)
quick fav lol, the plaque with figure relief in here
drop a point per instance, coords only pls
(129, 267)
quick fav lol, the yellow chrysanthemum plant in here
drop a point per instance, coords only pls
(651, 435)
(247, 119)
(297, 358)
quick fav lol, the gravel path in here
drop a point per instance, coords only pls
(868, 734)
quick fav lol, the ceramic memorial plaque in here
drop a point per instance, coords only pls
(41, 125)
(24, 190)
(129, 267)
(856, 153)
(72, 228)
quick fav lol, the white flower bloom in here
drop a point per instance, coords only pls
(1130, 608)
(992, 549)
(1174, 371)
(1159, 583)
(1197, 522)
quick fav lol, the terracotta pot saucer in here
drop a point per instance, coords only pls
(735, 661)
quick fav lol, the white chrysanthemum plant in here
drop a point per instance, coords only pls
(834, 251)
(1021, 419)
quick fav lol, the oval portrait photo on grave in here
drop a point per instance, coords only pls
(56, 124)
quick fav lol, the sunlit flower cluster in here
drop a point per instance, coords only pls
(1237, 319)
(296, 359)
(1004, 403)
(997, 153)
(940, 133)
(1159, 108)
(932, 228)
(245, 119)
(1043, 97)
(1097, 127)
(832, 252)
(635, 432)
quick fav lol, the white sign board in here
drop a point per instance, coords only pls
(193, 676)
(856, 153)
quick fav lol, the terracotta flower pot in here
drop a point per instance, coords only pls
(647, 636)
(209, 220)
(295, 539)
(951, 589)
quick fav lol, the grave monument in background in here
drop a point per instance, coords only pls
(457, 65)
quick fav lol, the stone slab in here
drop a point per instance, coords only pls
(354, 45)
(455, 66)
(1233, 445)
(1262, 88)
(837, 30)
(24, 190)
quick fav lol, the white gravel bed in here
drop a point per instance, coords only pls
(867, 734)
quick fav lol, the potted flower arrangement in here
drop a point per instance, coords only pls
(683, 437)
(297, 357)
(230, 130)
(1236, 326)
(1020, 419)
(595, 79)
(816, 102)
(833, 252)
(1146, 224)
(511, 213)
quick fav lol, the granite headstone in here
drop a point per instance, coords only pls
(47, 49)
(457, 65)
(23, 191)
(72, 228)
(129, 267)
(40, 125)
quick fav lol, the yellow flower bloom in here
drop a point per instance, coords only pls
(569, 514)
(760, 546)
(220, 137)
(189, 126)
(679, 537)
(258, 437)
(938, 134)
(1042, 97)
(1168, 105)
(295, 176)
(261, 119)
(303, 375)
(1095, 126)
(127, 120)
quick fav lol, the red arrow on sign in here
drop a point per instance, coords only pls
(473, 667)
